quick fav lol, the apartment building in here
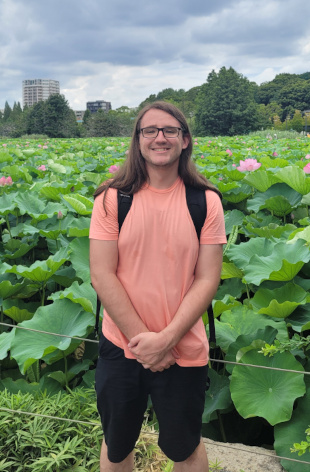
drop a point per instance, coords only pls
(93, 107)
(35, 90)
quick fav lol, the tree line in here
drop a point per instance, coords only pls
(226, 104)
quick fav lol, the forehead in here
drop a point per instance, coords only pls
(158, 118)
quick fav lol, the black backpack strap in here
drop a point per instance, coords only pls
(197, 205)
(123, 205)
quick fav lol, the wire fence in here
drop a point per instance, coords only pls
(90, 423)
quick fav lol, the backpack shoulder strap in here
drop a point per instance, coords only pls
(124, 202)
(197, 206)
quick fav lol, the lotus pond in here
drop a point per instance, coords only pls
(261, 308)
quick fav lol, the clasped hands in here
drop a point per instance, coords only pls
(152, 351)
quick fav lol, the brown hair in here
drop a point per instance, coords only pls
(133, 174)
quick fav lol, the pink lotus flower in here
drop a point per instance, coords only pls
(42, 167)
(60, 215)
(248, 165)
(307, 156)
(6, 181)
(114, 168)
(39, 145)
(229, 152)
(307, 168)
(44, 147)
(275, 154)
(4, 145)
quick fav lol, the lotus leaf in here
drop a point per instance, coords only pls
(242, 320)
(62, 317)
(217, 396)
(280, 302)
(286, 195)
(290, 432)
(269, 394)
(262, 180)
(79, 257)
(81, 204)
(83, 294)
(295, 178)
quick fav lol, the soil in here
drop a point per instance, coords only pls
(240, 458)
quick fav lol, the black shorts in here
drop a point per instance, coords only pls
(123, 387)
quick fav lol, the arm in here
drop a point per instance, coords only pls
(103, 266)
(147, 346)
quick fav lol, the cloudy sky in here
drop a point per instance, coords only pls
(124, 50)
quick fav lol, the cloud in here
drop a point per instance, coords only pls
(122, 52)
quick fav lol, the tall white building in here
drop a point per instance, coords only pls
(35, 90)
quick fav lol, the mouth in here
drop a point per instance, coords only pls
(160, 149)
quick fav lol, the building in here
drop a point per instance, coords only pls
(36, 90)
(79, 114)
(93, 107)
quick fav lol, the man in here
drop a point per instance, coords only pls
(155, 281)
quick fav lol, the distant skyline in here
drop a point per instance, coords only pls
(122, 52)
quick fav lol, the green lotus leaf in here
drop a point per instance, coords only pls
(56, 167)
(233, 218)
(217, 396)
(81, 204)
(234, 174)
(301, 234)
(264, 259)
(6, 342)
(227, 303)
(226, 186)
(242, 321)
(17, 172)
(61, 317)
(282, 265)
(246, 342)
(295, 178)
(269, 162)
(9, 289)
(15, 248)
(300, 319)
(23, 229)
(52, 234)
(271, 231)
(229, 271)
(91, 177)
(306, 199)
(79, 257)
(83, 294)
(5, 157)
(55, 190)
(41, 271)
(280, 302)
(18, 310)
(262, 180)
(266, 393)
(65, 276)
(7, 203)
(238, 194)
(63, 378)
(233, 287)
(286, 434)
(30, 152)
(288, 198)
(79, 228)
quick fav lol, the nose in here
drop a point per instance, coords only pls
(160, 135)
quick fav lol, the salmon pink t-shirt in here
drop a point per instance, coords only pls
(158, 250)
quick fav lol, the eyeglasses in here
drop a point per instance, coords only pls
(168, 132)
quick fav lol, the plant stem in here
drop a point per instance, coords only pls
(221, 426)
(8, 225)
(66, 369)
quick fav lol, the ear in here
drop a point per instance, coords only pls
(185, 141)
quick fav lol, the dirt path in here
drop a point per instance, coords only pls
(249, 459)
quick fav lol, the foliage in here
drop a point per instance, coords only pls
(226, 105)
(304, 446)
(263, 299)
(40, 443)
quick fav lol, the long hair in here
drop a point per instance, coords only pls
(132, 175)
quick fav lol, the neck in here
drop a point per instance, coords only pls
(162, 177)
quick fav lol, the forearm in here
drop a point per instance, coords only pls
(115, 300)
(194, 304)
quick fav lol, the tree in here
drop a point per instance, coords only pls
(36, 119)
(226, 105)
(60, 120)
(7, 112)
(112, 123)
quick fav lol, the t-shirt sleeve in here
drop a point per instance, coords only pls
(213, 230)
(104, 224)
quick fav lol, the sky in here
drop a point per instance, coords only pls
(122, 51)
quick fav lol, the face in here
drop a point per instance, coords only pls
(160, 151)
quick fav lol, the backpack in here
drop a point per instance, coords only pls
(197, 206)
